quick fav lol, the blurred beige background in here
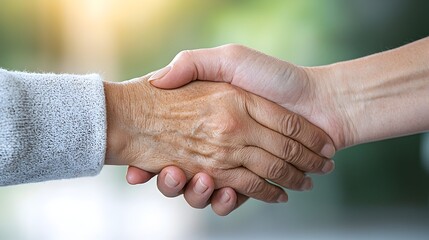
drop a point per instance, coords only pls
(378, 191)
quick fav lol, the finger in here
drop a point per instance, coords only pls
(273, 168)
(251, 185)
(229, 63)
(287, 149)
(171, 181)
(224, 201)
(137, 175)
(199, 190)
(291, 125)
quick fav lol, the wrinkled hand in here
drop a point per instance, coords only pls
(276, 80)
(356, 101)
(305, 91)
(216, 129)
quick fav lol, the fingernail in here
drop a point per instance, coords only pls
(200, 187)
(282, 199)
(328, 167)
(328, 151)
(160, 73)
(307, 184)
(170, 181)
(225, 197)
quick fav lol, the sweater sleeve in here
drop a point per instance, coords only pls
(51, 126)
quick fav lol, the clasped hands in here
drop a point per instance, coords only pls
(260, 130)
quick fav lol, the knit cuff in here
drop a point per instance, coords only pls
(51, 126)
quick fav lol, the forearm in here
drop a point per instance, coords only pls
(384, 95)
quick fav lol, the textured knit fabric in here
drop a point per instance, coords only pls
(51, 126)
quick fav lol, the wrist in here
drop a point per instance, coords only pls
(115, 137)
(331, 103)
(129, 113)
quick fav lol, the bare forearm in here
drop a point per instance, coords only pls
(384, 95)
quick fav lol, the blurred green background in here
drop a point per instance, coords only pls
(379, 190)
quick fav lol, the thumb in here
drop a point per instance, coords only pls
(190, 65)
(170, 77)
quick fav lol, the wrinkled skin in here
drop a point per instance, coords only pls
(237, 138)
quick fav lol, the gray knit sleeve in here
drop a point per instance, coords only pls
(51, 126)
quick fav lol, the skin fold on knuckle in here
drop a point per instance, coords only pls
(296, 154)
(262, 190)
(307, 161)
(228, 178)
(254, 187)
(316, 140)
(276, 170)
(284, 176)
(291, 124)
(292, 152)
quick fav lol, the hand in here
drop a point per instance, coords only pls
(286, 84)
(293, 87)
(200, 191)
(214, 128)
(357, 101)
(372, 98)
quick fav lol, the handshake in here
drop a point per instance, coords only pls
(236, 123)
(224, 138)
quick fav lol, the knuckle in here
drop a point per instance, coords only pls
(291, 124)
(184, 55)
(277, 170)
(231, 123)
(226, 178)
(255, 187)
(235, 51)
(292, 151)
(233, 48)
(221, 176)
(241, 155)
(313, 140)
(225, 125)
